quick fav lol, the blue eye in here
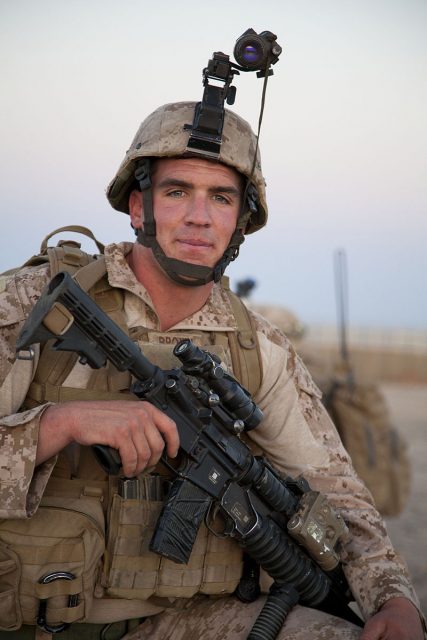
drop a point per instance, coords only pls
(219, 198)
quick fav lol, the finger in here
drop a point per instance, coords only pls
(134, 452)
(171, 437)
(155, 442)
(167, 428)
(374, 630)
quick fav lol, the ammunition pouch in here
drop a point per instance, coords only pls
(49, 563)
(131, 570)
(52, 564)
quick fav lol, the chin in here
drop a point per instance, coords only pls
(199, 260)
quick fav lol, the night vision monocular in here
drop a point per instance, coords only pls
(256, 52)
(253, 52)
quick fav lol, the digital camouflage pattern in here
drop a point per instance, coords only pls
(21, 487)
(225, 618)
(296, 434)
(162, 134)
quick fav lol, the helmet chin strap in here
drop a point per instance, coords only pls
(185, 273)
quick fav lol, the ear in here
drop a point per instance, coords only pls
(135, 209)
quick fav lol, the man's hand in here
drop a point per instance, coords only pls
(397, 619)
(138, 430)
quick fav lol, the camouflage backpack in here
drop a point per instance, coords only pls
(379, 454)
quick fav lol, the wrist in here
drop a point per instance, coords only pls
(399, 602)
(55, 432)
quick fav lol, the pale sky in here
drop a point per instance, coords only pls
(343, 142)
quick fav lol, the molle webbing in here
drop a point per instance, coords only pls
(132, 571)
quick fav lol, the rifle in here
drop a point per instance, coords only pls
(288, 529)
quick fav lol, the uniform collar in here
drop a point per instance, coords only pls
(215, 315)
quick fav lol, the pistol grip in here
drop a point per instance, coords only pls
(108, 458)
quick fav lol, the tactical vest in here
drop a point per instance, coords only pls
(84, 527)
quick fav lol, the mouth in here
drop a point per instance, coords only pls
(194, 242)
(194, 250)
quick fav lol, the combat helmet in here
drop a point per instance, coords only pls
(206, 130)
(165, 134)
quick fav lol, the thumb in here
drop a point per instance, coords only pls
(374, 629)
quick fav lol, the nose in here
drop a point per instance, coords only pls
(198, 212)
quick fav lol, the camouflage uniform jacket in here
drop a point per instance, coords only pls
(296, 433)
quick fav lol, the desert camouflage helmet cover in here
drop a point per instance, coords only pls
(162, 134)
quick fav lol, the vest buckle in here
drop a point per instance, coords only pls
(73, 601)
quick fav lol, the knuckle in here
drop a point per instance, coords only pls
(132, 461)
(158, 447)
(169, 424)
(144, 456)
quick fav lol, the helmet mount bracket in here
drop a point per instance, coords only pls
(253, 52)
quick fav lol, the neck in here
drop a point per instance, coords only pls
(172, 301)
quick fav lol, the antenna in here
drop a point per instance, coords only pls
(341, 297)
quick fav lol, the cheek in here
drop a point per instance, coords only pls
(166, 216)
(167, 222)
(228, 223)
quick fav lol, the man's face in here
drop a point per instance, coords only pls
(196, 205)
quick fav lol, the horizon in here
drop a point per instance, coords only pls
(343, 139)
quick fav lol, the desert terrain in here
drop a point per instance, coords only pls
(408, 531)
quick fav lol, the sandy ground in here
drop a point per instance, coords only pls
(408, 406)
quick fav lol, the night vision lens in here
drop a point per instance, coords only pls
(251, 54)
(255, 51)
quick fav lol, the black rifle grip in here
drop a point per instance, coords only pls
(108, 458)
(183, 512)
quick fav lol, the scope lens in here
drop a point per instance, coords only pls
(181, 347)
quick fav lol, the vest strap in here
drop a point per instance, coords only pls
(244, 346)
(40, 393)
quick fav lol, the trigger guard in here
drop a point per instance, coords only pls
(211, 515)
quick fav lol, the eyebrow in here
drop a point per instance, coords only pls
(175, 182)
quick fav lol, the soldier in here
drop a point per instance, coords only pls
(72, 550)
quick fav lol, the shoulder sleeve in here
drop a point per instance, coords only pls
(299, 438)
(18, 294)
(21, 486)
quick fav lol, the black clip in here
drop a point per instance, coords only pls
(73, 601)
(142, 174)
